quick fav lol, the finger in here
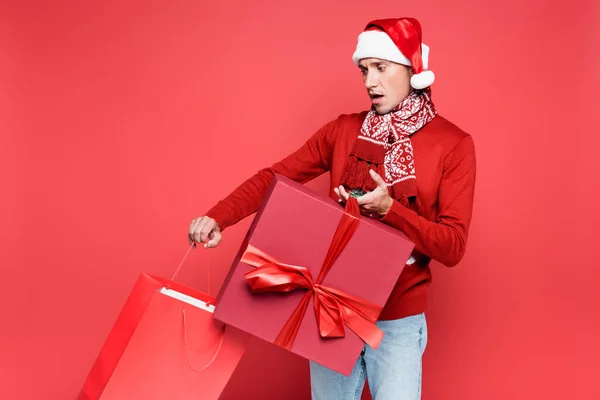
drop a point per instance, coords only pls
(215, 239)
(366, 200)
(365, 210)
(337, 192)
(207, 230)
(193, 225)
(192, 229)
(378, 179)
(198, 230)
(343, 193)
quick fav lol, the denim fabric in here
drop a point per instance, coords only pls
(393, 370)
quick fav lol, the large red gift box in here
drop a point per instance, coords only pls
(312, 276)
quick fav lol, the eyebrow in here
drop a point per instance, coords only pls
(374, 63)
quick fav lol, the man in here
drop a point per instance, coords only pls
(411, 169)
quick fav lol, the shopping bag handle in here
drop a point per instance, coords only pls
(185, 330)
(192, 246)
(187, 346)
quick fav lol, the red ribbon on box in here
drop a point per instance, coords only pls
(333, 308)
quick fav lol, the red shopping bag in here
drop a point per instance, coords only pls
(165, 344)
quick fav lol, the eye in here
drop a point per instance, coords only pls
(363, 71)
(381, 68)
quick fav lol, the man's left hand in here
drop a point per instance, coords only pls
(376, 202)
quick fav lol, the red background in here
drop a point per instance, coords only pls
(121, 121)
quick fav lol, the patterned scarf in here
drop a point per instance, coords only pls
(384, 145)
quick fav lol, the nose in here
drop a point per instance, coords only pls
(370, 80)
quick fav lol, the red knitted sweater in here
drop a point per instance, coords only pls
(445, 170)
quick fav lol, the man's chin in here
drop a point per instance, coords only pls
(381, 110)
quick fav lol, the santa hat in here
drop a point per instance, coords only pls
(398, 40)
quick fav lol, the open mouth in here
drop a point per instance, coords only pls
(376, 98)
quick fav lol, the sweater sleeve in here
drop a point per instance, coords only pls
(445, 238)
(306, 163)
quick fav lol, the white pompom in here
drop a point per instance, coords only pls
(422, 80)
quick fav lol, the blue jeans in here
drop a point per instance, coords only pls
(393, 370)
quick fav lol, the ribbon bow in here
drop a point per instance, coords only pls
(333, 308)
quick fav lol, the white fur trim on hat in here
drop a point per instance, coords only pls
(377, 44)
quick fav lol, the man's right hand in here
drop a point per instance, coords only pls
(205, 230)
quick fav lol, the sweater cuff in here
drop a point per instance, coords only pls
(397, 216)
(223, 215)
